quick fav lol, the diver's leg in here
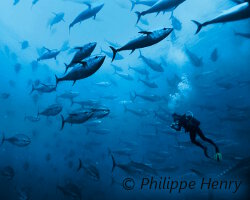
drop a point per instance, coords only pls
(194, 141)
(203, 137)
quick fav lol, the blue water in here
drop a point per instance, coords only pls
(217, 93)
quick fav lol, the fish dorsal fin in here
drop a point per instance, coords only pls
(44, 84)
(145, 32)
(88, 4)
(47, 49)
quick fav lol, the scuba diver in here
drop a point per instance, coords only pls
(191, 125)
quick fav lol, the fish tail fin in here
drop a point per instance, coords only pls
(133, 2)
(57, 80)
(138, 16)
(63, 122)
(114, 52)
(80, 165)
(3, 139)
(199, 26)
(114, 163)
(32, 89)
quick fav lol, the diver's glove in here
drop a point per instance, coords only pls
(218, 156)
(174, 126)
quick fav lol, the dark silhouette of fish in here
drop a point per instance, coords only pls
(82, 53)
(238, 12)
(146, 40)
(87, 68)
(160, 6)
(90, 12)
(19, 140)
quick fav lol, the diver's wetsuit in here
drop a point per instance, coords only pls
(191, 125)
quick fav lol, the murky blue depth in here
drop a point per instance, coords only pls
(79, 134)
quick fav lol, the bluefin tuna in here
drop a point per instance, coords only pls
(76, 118)
(160, 6)
(49, 54)
(82, 53)
(87, 68)
(175, 22)
(43, 88)
(89, 169)
(70, 95)
(58, 17)
(52, 110)
(19, 140)
(86, 14)
(141, 71)
(151, 63)
(148, 83)
(151, 97)
(147, 39)
(194, 59)
(71, 191)
(238, 12)
(133, 168)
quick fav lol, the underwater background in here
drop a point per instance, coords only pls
(213, 83)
